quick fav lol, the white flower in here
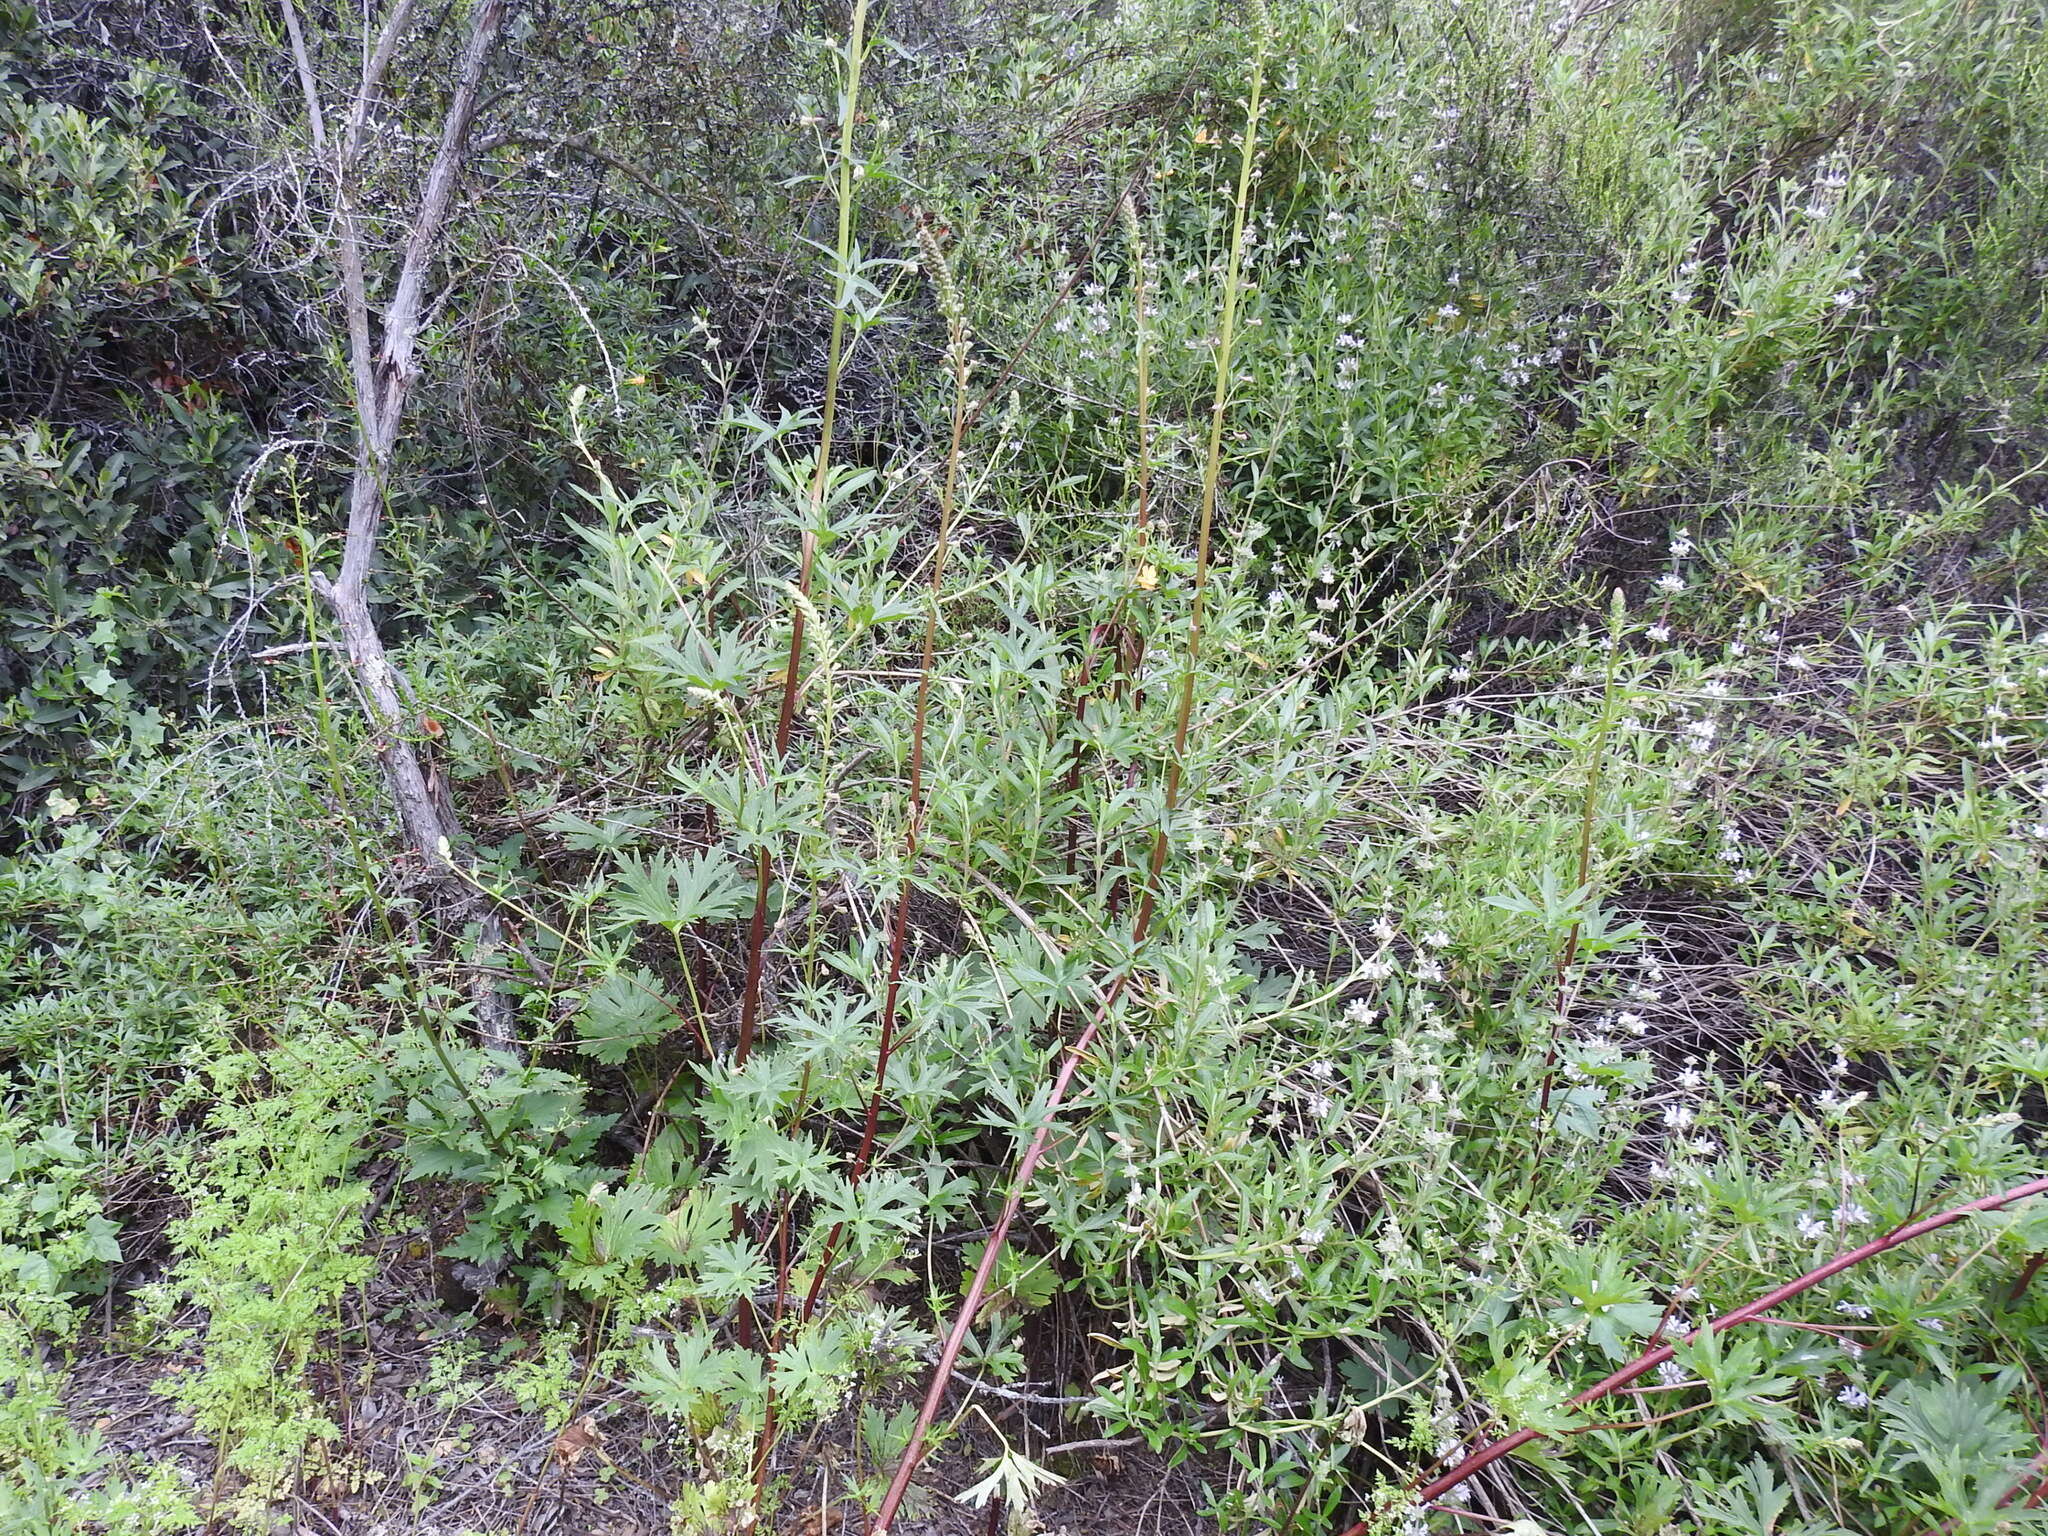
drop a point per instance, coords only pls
(1357, 1012)
(1660, 633)
(1850, 1214)
(1853, 1396)
(1681, 546)
(1436, 938)
(1677, 1117)
(1851, 1309)
(1378, 968)
(1670, 581)
(1634, 1023)
(1811, 1228)
(1670, 1372)
(1461, 674)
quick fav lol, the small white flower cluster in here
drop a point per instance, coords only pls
(1688, 278)
(1685, 1149)
(1731, 852)
(1826, 193)
(1831, 1100)
(1847, 1214)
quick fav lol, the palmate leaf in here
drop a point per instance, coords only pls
(616, 830)
(1751, 1504)
(684, 1382)
(674, 891)
(688, 1231)
(1606, 1302)
(629, 1223)
(625, 1010)
(810, 1371)
(732, 1269)
(880, 1206)
(1953, 1423)
(707, 666)
(1015, 1478)
(1734, 1369)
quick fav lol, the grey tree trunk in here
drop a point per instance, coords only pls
(382, 369)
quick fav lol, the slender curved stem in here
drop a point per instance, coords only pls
(1750, 1312)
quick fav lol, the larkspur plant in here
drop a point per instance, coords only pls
(1373, 861)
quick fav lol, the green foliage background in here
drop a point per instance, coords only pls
(1609, 876)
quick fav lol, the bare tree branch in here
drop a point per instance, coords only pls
(382, 353)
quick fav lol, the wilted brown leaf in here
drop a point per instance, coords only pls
(571, 1443)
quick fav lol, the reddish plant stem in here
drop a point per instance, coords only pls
(913, 827)
(2019, 1286)
(970, 1306)
(1649, 1360)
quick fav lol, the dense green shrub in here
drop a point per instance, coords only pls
(122, 442)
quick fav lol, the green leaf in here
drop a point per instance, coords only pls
(675, 892)
(625, 1010)
(1524, 1393)
(731, 1269)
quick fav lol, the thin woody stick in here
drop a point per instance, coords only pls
(1649, 1360)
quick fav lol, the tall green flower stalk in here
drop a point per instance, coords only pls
(835, 358)
(1141, 340)
(958, 364)
(1034, 1152)
(1212, 473)
(1589, 810)
(1126, 641)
